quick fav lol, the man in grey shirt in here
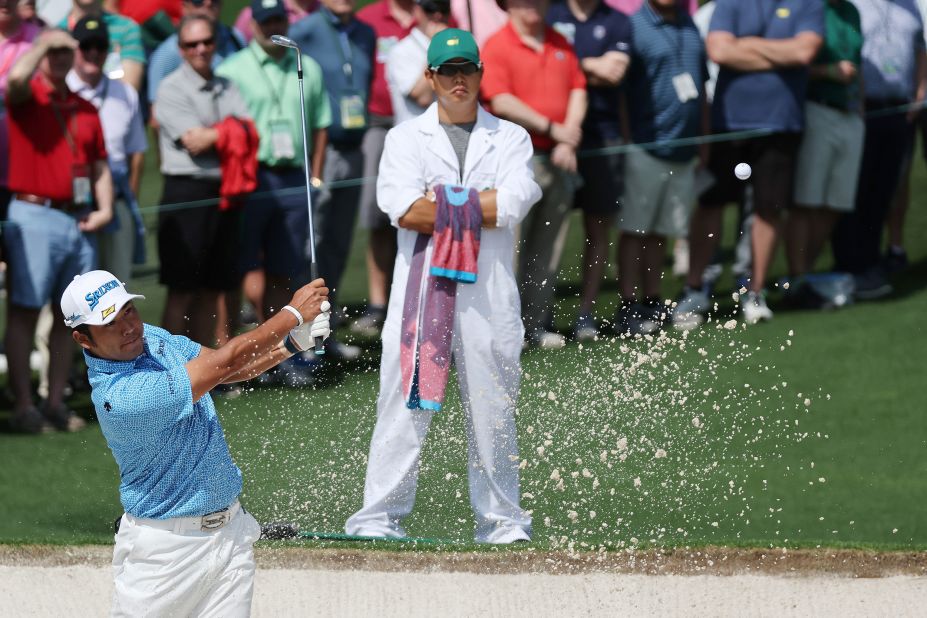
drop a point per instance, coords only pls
(198, 244)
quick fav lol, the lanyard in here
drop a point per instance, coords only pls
(344, 49)
(275, 93)
(69, 138)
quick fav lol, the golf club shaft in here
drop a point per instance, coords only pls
(313, 265)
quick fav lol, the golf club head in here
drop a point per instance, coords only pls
(279, 530)
(283, 41)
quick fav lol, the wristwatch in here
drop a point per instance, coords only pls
(316, 182)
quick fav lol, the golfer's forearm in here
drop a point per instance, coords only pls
(259, 365)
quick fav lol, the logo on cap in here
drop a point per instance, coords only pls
(92, 25)
(452, 42)
(269, 4)
(108, 311)
(93, 298)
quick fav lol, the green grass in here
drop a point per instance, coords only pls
(748, 476)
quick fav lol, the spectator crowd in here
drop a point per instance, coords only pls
(638, 112)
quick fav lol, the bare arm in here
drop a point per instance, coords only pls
(512, 108)
(726, 50)
(421, 215)
(422, 93)
(18, 89)
(797, 51)
(319, 143)
(243, 355)
(576, 108)
(133, 73)
(103, 192)
(606, 70)
(136, 168)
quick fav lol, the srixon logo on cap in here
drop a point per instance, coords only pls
(93, 298)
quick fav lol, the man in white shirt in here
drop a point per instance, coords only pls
(126, 144)
(409, 88)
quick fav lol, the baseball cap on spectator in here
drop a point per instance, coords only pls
(94, 298)
(91, 32)
(435, 6)
(450, 44)
(262, 10)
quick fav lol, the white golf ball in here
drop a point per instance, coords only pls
(743, 171)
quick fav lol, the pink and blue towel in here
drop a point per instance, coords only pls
(428, 325)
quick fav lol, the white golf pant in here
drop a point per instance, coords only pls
(172, 568)
(487, 348)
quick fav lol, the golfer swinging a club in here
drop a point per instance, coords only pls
(456, 181)
(184, 544)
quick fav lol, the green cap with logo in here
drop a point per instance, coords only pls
(450, 44)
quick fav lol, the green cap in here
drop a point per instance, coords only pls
(452, 43)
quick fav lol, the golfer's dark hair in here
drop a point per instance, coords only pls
(84, 329)
(189, 19)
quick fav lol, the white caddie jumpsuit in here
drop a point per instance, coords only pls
(488, 330)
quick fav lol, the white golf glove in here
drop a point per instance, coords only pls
(304, 336)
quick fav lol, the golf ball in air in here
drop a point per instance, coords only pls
(743, 171)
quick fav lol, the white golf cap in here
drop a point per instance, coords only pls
(94, 298)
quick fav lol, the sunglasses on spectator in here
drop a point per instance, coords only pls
(451, 69)
(100, 46)
(194, 44)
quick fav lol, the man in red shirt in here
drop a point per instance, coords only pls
(533, 78)
(392, 21)
(62, 194)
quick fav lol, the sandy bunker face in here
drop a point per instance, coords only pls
(41, 580)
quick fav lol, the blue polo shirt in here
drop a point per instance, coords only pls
(166, 58)
(172, 455)
(661, 51)
(335, 46)
(893, 35)
(771, 100)
(606, 30)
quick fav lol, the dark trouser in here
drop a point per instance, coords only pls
(857, 238)
(336, 212)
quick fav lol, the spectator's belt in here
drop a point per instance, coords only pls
(66, 206)
(205, 523)
(834, 106)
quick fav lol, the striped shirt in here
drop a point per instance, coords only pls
(172, 455)
(662, 53)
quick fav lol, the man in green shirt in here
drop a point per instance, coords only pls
(276, 224)
(126, 59)
(831, 151)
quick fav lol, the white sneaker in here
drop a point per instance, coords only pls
(344, 351)
(690, 309)
(753, 307)
(546, 340)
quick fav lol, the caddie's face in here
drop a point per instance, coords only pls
(456, 82)
(120, 340)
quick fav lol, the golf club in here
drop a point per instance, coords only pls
(283, 41)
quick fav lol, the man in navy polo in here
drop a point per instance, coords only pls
(666, 97)
(600, 36)
(764, 48)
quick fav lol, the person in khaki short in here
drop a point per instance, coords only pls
(831, 151)
(665, 102)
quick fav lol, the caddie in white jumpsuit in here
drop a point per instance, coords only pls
(455, 142)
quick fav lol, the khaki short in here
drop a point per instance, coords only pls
(829, 158)
(658, 195)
